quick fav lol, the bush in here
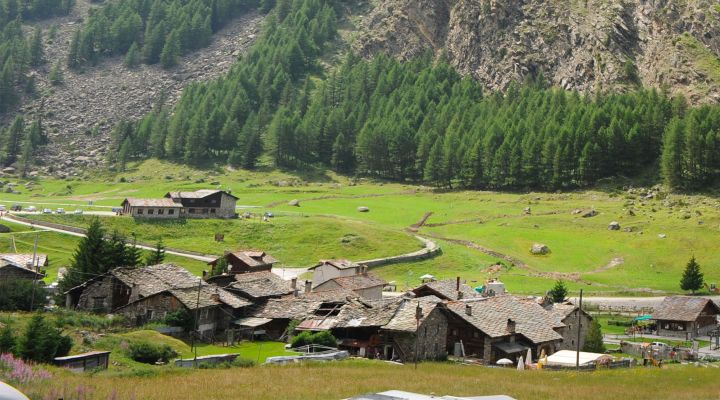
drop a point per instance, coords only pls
(42, 341)
(150, 353)
(85, 320)
(181, 318)
(7, 340)
(16, 295)
(320, 338)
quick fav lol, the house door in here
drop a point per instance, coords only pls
(389, 352)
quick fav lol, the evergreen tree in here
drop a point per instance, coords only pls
(171, 51)
(692, 278)
(220, 267)
(132, 58)
(42, 342)
(56, 75)
(594, 339)
(37, 53)
(158, 255)
(90, 258)
(7, 340)
(559, 292)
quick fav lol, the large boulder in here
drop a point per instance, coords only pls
(294, 203)
(589, 214)
(539, 249)
(614, 226)
(363, 209)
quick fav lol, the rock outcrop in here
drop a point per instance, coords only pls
(585, 45)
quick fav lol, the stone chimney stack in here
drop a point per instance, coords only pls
(457, 284)
(460, 295)
(510, 326)
(293, 283)
(468, 309)
(308, 286)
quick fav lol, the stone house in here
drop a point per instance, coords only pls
(567, 314)
(686, 317)
(277, 314)
(241, 262)
(122, 286)
(205, 203)
(365, 286)
(256, 286)
(215, 307)
(20, 266)
(448, 289)
(151, 208)
(500, 327)
(329, 269)
(417, 331)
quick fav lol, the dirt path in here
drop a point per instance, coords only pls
(332, 197)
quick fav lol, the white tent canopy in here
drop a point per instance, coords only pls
(567, 358)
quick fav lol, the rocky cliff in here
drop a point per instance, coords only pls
(587, 45)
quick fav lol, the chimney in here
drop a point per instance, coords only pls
(510, 326)
(308, 286)
(468, 309)
(293, 283)
(457, 284)
(459, 295)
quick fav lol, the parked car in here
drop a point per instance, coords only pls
(31, 209)
(660, 346)
(47, 211)
(60, 211)
(78, 212)
(269, 214)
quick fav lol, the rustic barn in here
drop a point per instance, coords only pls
(281, 312)
(329, 269)
(500, 327)
(366, 286)
(20, 266)
(121, 286)
(205, 203)
(448, 289)
(240, 262)
(214, 306)
(417, 331)
(686, 317)
(151, 208)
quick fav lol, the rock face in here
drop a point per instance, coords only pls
(614, 226)
(586, 45)
(539, 249)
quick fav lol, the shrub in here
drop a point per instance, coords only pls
(320, 338)
(181, 318)
(150, 353)
(42, 341)
(7, 340)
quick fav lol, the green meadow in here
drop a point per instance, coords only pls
(476, 230)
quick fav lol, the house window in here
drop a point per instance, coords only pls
(171, 212)
(140, 211)
(149, 315)
(212, 211)
(204, 313)
(454, 332)
(191, 211)
(150, 211)
(192, 201)
(213, 201)
(161, 211)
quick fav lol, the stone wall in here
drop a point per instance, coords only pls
(10, 272)
(430, 250)
(570, 331)
(431, 339)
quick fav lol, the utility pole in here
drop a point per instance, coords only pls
(197, 322)
(579, 330)
(34, 268)
(418, 317)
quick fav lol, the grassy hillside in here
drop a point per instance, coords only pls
(583, 251)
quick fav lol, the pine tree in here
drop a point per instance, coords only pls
(74, 59)
(220, 267)
(37, 53)
(90, 258)
(594, 339)
(56, 75)
(171, 51)
(158, 255)
(7, 340)
(559, 292)
(692, 278)
(42, 341)
(132, 58)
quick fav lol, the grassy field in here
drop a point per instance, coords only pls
(348, 378)
(475, 229)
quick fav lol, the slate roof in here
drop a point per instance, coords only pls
(354, 282)
(163, 203)
(198, 194)
(23, 260)
(330, 295)
(286, 308)
(254, 258)
(446, 289)
(339, 264)
(561, 311)
(682, 308)
(155, 278)
(490, 315)
(209, 296)
(260, 285)
(403, 320)
(360, 314)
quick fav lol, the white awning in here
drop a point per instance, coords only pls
(568, 358)
(251, 322)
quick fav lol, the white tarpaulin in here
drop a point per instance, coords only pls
(567, 358)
